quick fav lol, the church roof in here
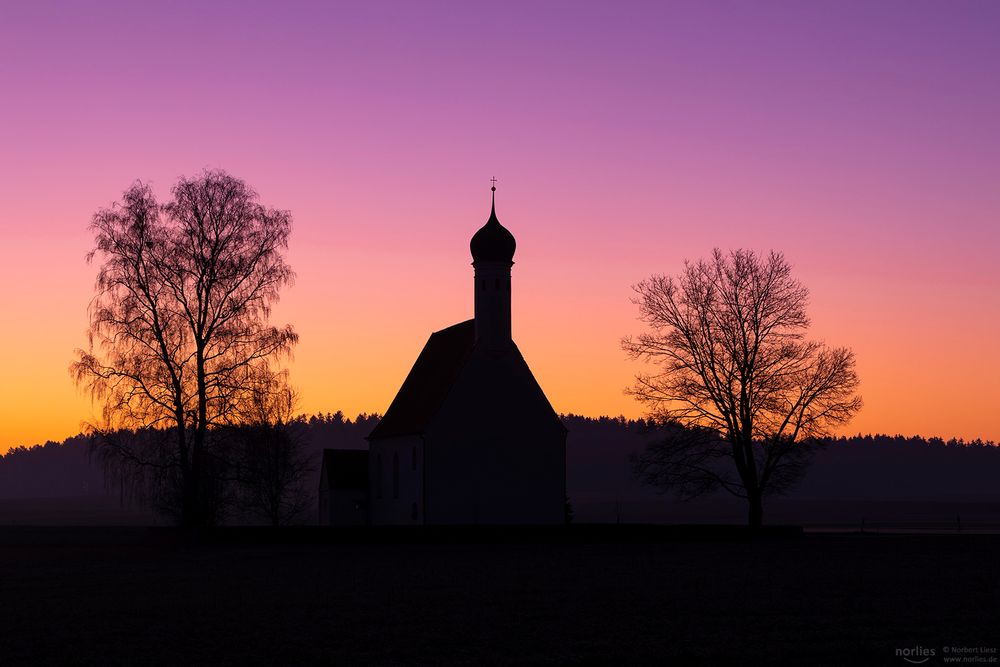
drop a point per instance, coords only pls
(428, 382)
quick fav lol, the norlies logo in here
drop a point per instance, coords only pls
(916, 655)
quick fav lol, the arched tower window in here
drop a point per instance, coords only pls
(378, 475)
(395, 475)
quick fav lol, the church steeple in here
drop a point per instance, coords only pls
(492, 257)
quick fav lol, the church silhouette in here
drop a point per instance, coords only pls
(470, 437)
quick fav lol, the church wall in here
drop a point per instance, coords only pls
(395, 476)
(496, 452)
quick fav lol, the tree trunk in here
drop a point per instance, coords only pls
(193, 491)
(202, 511)
(756, 514)
(188, 508)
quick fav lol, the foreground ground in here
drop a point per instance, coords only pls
(149, 598)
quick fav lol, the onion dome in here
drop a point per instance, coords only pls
(493, 242)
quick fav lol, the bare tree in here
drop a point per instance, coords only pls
(740, 390)
(179, 332)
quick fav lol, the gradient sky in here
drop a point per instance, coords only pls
(862, 139)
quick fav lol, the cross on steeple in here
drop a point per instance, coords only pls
(494, 181)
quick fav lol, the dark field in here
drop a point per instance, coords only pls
(145, 597)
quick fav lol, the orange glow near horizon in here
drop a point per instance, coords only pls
(625, 143)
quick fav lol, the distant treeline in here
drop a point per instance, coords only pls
(67, 469)
(598, 462)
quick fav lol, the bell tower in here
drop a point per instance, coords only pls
(492, 258)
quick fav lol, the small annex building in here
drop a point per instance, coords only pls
(343, 487)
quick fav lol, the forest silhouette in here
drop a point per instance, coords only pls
(599, 467)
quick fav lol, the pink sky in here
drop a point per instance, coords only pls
(859, 138)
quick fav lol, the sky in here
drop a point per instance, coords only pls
(858, 138)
